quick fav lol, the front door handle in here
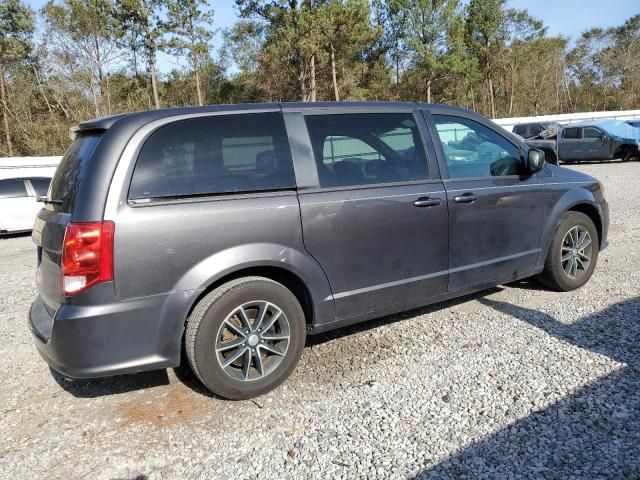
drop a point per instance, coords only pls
(466, 198)
(427, 202)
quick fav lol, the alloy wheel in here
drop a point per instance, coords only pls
(252, 341)
(576, 252)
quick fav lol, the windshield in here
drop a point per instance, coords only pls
(71, 170)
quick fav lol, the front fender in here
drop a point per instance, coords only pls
(559, 201)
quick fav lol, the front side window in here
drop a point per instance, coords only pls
(366, 148)
(12, 188)
(591, 132)
(214, 155)
(474, 150)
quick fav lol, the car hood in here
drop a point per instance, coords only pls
(568, 174)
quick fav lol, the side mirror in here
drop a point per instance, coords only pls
(535, 160)
(604, 138)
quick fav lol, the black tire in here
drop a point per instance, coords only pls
(203, 336)
(554, 275)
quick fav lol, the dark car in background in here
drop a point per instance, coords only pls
(598, 140)
(229, 233)
(589, 140)
(533, 129)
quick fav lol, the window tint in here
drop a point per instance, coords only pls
(66, 181)
(366, 148)
(520, 129)
(591, 132)
(214, 155)
(40, 185)
(473, 150)
(12, 188)
(571, 133)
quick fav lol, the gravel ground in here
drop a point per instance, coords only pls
(514, 382)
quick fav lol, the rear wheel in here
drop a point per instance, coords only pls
(573, 253)
(627, 153)
(245, 337)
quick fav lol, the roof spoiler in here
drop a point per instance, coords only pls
(95, 125)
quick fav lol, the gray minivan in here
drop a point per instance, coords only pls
(229, 233)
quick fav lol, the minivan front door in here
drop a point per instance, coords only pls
(495, 211)
(376, 218)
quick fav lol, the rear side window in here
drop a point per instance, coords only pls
(366, 148)
(571, 133)
(68, 177)
(214, 155)
(12, 188)
(40, 185)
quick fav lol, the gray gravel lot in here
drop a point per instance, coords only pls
(515, 382)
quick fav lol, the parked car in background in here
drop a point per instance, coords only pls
(228, 233)
(18, 205)
(590, 140)
(533, 129)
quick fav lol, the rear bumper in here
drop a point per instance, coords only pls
(112, 339)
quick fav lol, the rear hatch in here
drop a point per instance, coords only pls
(51, 222)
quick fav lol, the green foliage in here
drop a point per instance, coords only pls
(98, 57)
(188, 27)
(16, 31)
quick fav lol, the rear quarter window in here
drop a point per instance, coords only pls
(214, 155)
(40, 185)
(69, 174)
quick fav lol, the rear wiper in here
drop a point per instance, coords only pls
(45, 199)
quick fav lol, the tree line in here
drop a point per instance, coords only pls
(77, 59)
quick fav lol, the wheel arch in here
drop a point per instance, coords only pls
(592, 212)
(579, 200)
(285, 277)
(623, 148)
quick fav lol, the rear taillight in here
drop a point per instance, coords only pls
(87, 256)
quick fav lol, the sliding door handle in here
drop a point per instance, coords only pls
(466, 198)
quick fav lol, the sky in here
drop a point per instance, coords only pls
(568, 18)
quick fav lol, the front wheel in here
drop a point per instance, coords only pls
(245, 337)
(572, 254)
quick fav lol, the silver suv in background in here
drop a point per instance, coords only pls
(229, 233)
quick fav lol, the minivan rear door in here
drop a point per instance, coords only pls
(51, 221)
(373, 208)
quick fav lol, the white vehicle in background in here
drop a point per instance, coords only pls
(22, 179)
(18, 205)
